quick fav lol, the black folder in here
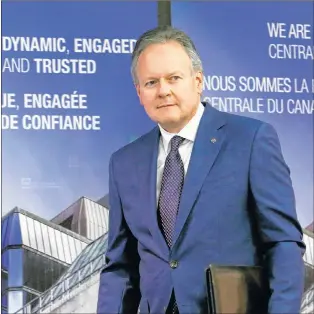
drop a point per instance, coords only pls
(237, 290)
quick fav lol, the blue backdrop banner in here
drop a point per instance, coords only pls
(68, 100)
(258, 61)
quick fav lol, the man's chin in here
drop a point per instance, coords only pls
(171, 124)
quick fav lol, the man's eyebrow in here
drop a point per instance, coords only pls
(169, 74)
(175, 72)
(150, 78)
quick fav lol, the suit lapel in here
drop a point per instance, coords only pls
(147, 176)
(208, 142)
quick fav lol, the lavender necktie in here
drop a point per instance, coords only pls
(169, 199)
(170, 191)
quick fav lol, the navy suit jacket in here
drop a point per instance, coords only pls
(237, 208)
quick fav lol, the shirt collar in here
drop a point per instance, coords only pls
(188, 132)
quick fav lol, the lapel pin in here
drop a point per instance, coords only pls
(213, 140)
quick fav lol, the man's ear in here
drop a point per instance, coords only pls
(199, 81)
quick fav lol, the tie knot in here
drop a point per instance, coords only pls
(176, 141)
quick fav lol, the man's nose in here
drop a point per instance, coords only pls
(164, 88)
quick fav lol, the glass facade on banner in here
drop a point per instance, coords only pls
(35, 253)
(308, 296)
(309, 276)
(85, 217)
(88, 263)
(40, 272)
(308, 301)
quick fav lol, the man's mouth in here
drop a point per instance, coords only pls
(165, 105)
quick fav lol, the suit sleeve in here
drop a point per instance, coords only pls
(281, 233)
(119, 280)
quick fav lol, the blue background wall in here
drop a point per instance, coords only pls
(44, 171)
(233, 40)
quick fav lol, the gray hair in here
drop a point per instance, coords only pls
(163, 34)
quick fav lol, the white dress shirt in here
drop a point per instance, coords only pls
(185, 149)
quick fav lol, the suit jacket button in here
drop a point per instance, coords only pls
(174, 264)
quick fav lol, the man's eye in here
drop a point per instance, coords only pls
(174, 78)
(150, 83)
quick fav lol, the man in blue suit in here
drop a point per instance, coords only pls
(203, 187)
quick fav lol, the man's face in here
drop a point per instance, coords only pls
(168, 88)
